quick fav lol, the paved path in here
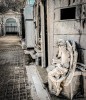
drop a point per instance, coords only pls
(13, 81)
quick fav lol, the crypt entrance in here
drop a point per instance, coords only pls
(11, 27)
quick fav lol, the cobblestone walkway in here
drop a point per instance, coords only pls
(13, 79)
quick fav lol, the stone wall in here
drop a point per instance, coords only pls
(67, 28)
(29, 26)
(39, 31)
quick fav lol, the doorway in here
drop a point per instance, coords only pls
(11, 27)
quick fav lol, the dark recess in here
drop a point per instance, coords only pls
(22, 24)
(68, 13)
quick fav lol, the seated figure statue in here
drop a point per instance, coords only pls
(61, 73)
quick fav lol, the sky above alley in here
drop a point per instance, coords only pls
(31, 1)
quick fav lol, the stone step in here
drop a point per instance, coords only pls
(40, 92)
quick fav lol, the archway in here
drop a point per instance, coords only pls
(11, 27)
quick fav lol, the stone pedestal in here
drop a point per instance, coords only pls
(84, 83)
(72, 89)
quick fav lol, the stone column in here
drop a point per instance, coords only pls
(42, 35)
(50, 17)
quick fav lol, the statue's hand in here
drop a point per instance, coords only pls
(61, 79)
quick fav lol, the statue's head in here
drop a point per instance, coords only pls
(61, 42)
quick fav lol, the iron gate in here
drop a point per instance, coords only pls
(11, 26)
(10, 29)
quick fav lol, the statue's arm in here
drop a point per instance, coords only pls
(52, 74)
(62, 78)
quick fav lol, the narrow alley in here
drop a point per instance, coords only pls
(13, 80)
(42, 49)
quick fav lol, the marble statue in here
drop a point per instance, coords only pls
(61, 72)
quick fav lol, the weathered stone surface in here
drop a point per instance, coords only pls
(73, 88)
(50, 29)
(55, 52)
(57, 14)
(83, 41)
(83, 56)
(57, 3)
(66, 37)
(67, 27)
(83, 1)
(83, 26)
(64, 3)
(71, 29)
(84, 81)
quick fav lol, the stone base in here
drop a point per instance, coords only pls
(73, 88)
(84, 83)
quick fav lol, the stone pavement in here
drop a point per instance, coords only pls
(13, 80)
